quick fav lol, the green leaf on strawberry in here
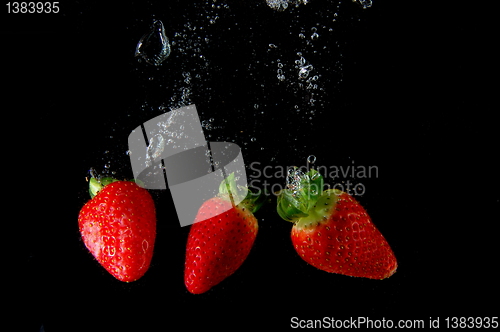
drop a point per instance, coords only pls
(302, 193)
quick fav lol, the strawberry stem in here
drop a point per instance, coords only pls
(301, 194)
(252, 200)
(228, 187)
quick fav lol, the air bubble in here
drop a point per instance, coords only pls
(364, 3)
(154, 46)
(294, 180)
(155, 148)
(206, 125)
(279, 5)
(304, 71)
(311, 159)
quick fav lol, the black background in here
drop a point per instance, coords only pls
(405, 87)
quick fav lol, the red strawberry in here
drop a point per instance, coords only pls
(332, 231)
(118, 226)
(218, 243)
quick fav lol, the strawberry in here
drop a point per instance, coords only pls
(218, 243)
(332, 231)
(118, 227)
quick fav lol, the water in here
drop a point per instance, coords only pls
(303, 56)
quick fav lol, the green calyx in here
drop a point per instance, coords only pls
(248, 199)
(301, 196)
(96, 184)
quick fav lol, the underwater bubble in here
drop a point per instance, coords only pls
(304, 71)
(155, 148)
(206, 125)
(279, 5)
(311, 159)
(294, 180)
(300, 62)
(154, 46)
(314, 176)
(364, 3)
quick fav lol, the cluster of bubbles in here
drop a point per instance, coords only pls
(296, 178)
(154, 47)
(314, 34)
(364, 3)
(303, 69)
(281, 5)
(163, 137)
(208, 124)
(183, 95)
(302, 76)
